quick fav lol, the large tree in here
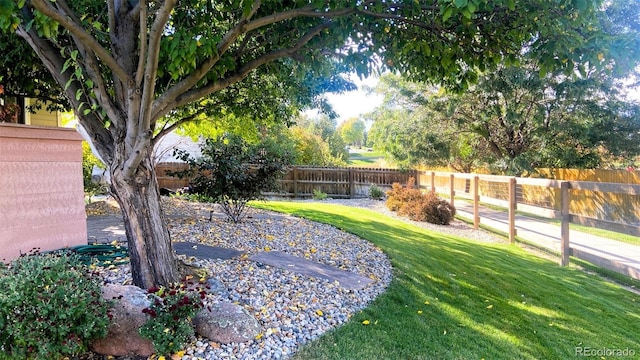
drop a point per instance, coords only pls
(126, 65)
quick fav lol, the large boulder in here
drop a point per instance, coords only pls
(123, 337)
(225, 323)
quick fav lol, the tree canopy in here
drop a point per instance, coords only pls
(512, 121)
(128, 66)
(353, 131)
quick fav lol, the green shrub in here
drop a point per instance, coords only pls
(88, 161)
(319, 195)
(50, 307)
(169, 325)
(375, 192)
(232, 171)
(419, 206)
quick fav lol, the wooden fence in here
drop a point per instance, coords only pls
(503, 190)
(620, 207)
(340, 182)
(168, 181)
(301, 181)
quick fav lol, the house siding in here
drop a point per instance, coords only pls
(41, 189)
(41, 117)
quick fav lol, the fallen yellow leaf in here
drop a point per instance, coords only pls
(365, 322)
(319, 312)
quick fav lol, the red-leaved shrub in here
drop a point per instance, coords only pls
(418, 206)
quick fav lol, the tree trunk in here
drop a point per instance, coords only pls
(153, 261)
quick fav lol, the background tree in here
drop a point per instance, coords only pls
(126, 66)
(325, 127)
(520, 117)
(310, 149)
(512, 121)
(412, 129)
(352, 131)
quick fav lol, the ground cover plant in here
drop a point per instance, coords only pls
(453, 298)
(50, 307)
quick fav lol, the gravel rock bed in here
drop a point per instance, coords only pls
(292, 309)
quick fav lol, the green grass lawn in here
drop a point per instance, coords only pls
(453, 298)
(365, 158)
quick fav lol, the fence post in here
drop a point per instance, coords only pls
(512, 210)
(565, 248)
(295, 181)
(416, 175)
(452, 191)
(352, 185)
(476, 201)
(433, 181)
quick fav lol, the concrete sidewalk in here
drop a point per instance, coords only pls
(614, 255)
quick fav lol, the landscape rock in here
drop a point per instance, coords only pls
(127, 317)
(226, 323)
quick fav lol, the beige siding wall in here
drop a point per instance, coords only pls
(41, 189)
(42, 117)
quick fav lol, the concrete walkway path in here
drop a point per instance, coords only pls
(611, 254)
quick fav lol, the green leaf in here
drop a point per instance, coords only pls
(581, 5)
(66, 86)
(447, 14)
(460, 3)
(65, 66)
(78, 94)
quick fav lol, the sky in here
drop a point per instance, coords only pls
(355, 103)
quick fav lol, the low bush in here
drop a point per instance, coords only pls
(169, 324)
(375, 192)
(429, 208)
(319, 195)
(400, 195)
(418, 206)
(232, 171)
(50, 307)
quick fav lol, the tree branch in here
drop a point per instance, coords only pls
(143, 43)
(78, 31)
(243, 71)
(184, 85)
(151, 71)
(54, 62)
(174, 126)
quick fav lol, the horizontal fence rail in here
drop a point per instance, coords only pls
(339, 182)
(565, 196)
(574, 197)
(302, 181)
